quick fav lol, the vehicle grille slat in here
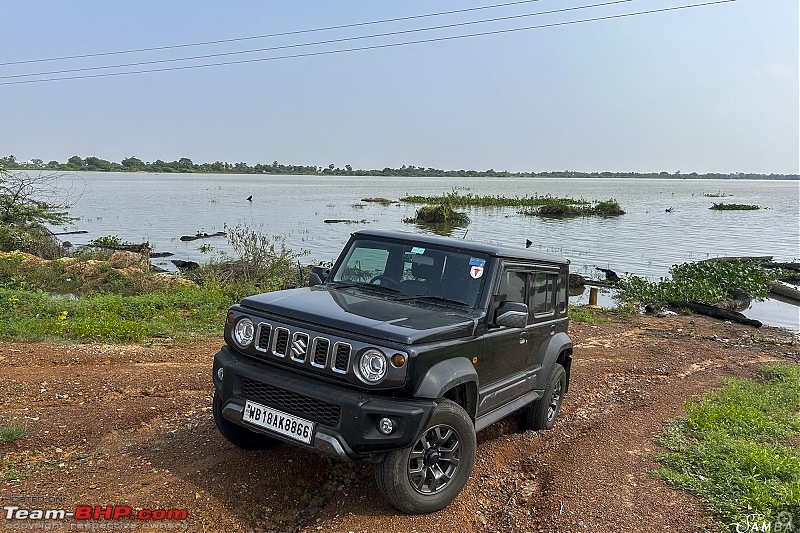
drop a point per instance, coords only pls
(281, 342)
(321, 347)
(265, 330)
(291, 402)
(341, 358)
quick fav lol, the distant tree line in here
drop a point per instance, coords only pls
(184, 164)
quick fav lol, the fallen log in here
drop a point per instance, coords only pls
(787, 266)
(186, 238)
(78, 232)
(715, 312)
(343, 221)
(142, 248)
(161, 254)
(783, 290)
(738, 259)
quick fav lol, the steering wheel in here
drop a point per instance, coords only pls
(383, 281)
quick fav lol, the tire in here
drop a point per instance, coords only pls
(542, 413)
(447, 444)
(238, 435)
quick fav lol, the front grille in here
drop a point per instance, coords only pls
(320, 357)
(299, 347)
(341, 357)
(263, 337)
(281, 342)
(291, 402)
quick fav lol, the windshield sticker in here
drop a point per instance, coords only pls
(476, 262)
(476, 271)
(416, 250)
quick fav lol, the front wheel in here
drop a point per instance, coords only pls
(542, 413)
(429, 475)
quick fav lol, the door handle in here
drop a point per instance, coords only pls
(523, 337)
(552, 330)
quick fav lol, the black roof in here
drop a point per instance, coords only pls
(463, 244)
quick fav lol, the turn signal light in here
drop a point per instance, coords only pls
(231, 316)
(398, 360)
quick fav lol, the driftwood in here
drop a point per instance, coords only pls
(161, 254)
(788, 266)
(783, 290)
(187, 238)
(738, 259)
(738, 301)
(794, 280)
(142, 248)
(343, 221)
(715, 312)
(78, 232)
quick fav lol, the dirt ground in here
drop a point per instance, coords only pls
(131, 425)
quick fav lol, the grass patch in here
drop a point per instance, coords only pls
(734, 207)
(705, 282)
(13, 431)
(456, 199)
(734, 448)
(580, 313)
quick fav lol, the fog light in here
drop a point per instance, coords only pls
(220, 373)
(386, 426)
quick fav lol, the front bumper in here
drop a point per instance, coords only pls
(345, 420)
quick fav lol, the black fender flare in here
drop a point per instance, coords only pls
(558, 344)
(445, 375)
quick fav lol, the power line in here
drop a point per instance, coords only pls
(372, 47)
(268, 35)
(316, 43)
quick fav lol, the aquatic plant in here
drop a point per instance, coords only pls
(439, 214)
(456, 199)
(734, 207)
(382, 201)
(704, 282)
(609, 208)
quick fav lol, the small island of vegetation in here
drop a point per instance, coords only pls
(734, 207)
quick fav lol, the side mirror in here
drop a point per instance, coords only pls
(318, 275)
(512, 315)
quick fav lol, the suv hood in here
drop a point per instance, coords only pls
(365, 314)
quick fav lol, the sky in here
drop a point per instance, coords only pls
(708, 89)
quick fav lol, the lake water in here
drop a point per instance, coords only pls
(646, 241)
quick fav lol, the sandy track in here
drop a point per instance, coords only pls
(131, 425)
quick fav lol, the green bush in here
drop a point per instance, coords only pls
(439, 214)
(734, 207)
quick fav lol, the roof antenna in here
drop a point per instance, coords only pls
(465, 234)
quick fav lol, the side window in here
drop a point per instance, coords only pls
(543, 294)
(561, 299)
(512, 286)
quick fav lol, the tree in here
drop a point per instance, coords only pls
(185, 162)
(75, 162)
(133, 163)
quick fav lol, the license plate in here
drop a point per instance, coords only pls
(268, 418)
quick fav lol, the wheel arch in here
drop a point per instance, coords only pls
(454, 379)
(557, 351)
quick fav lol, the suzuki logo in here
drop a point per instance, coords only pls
(299, 347)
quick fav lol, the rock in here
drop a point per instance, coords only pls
(66, 244)
(576, 280)
(188, 265)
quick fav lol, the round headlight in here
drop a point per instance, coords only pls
(372, 366)
(243, 332)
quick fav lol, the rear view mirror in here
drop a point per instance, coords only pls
(318, 275)
(512, 315)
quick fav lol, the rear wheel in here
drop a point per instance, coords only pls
(237, 435)
(429, 475)
(542, 413)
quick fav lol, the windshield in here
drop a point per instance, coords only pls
(425, 272)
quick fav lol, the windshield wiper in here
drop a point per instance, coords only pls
(434, 298)
(362, 285)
